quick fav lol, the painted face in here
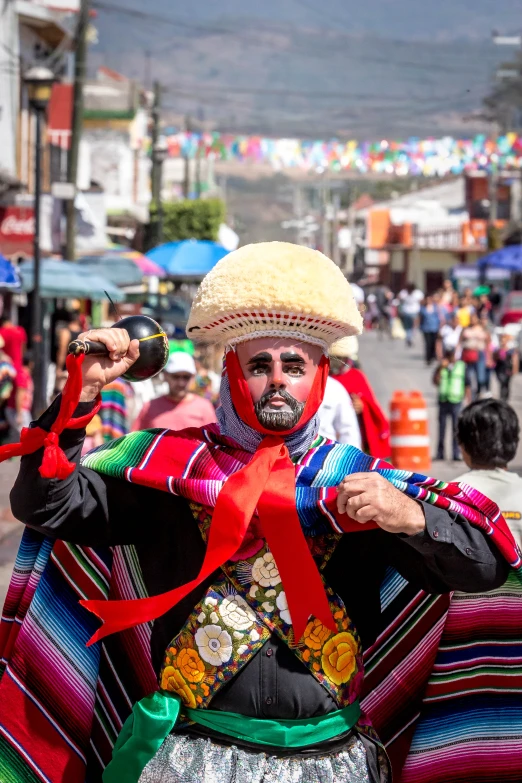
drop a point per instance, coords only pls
(279, 373)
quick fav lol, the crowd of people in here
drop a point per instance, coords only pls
(464, 326)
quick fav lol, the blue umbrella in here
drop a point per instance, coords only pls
(508, 258)
(9, 277)
(191, 258)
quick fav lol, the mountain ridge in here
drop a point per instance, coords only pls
(272, 77)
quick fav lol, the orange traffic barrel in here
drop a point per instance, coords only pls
(409, 435)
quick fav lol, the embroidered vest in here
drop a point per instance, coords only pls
(239, 612)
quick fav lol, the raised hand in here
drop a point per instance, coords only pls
(98, 371)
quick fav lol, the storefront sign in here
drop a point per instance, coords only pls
(16, 230)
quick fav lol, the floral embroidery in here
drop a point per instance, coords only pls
(214, 644)
(315, 635)
(282, 605)
(247, 604)
(236, 613)
(190, 665)
(338, 657)
(220, 636)
(265, 571)
(172, 680)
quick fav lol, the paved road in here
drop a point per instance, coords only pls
(389, 366)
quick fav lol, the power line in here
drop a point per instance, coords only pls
(254, 41)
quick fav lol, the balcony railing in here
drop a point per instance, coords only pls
(449, 237)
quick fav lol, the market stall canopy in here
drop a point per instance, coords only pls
(190, 259)
(147, 267)
(120, 271)
(64, 279)
(9, 277)
(508, 258)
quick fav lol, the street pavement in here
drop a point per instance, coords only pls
(390, 366)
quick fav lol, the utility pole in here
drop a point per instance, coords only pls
(146, 75)
(156, 165)
(186, 163)
(80, 65)
(325, 218)
(336, 254)
(198, 171)
(298, 214)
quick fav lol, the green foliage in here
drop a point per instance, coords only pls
(198, 219)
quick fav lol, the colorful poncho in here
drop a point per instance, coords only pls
(449, 688)
(113, 410)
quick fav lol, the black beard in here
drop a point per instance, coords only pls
(279, 420)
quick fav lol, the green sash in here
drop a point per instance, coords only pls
(154, 717)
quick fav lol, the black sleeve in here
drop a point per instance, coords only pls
(85, 508)
(450, 554)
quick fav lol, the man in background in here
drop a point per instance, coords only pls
(373, 423)
(410, 299)
(19, 404)
(449, 336)
(488, 434)
(15, 340)
(7, 380)
(338, 420)
(450, 377)
(179, 408)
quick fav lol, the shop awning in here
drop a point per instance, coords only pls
(65, 280)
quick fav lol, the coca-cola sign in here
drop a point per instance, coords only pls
(16, 230)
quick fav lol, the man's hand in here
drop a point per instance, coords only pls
(98, 371)
(369, 496)
(358, 404)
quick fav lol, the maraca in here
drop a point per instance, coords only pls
(154, 347)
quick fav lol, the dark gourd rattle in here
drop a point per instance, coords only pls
(154, 347)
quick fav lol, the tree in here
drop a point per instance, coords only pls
(187, 219)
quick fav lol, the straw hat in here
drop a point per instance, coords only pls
(274, 289)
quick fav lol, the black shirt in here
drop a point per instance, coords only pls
(95, 510)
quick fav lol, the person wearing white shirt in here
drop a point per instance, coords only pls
(337, 417)
(410, 299)
(449, 335)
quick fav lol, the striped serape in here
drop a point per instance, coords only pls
(113, 411)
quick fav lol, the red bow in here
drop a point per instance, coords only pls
(54, 462)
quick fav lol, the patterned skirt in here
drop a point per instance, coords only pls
(183, 759)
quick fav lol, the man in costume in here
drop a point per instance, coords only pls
(246, 565)
(374, 426)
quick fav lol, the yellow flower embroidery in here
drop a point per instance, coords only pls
(338, 657)
(190, 665)
(172, 680)
(316, 634)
